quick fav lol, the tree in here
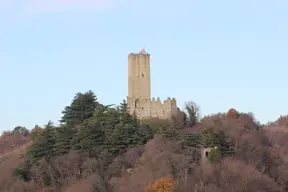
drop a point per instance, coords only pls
(162, 185)
(192, 139)
(82, 108)
(35, 132)
(64, 136)
(20, 129)
(214, 155)
(211, 137)
(122, 137)
(232, 113)
(193, 113)
(43, 145)
(89, 140)
(91, 137)
(124, 113)
(89, 129)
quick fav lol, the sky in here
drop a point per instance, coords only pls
(219, 54)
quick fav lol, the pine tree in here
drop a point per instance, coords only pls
(64, 137)
(124, 114)
(44, 144)
(82, 108)
(89, 140)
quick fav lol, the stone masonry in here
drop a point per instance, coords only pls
(139, 91)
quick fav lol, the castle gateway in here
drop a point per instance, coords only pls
(139, 91)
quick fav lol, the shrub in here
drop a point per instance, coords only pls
(214, 155)
(35, 132)
(232, 113)
(162, 185)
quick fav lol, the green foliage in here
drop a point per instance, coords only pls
(43, 145)
(126, 135)
(169, 132)
(35, 132)
(156, 124)
(81, 109)
(20, 129)
(144, 133)
(90, 129)
(214, 155)
(166, 128)
(64, 136)
(216, 138)
(192, 139)
(22, 172)
(88, 140)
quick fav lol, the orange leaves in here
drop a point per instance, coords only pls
(35, 132)
(162, 185)
(232, 113)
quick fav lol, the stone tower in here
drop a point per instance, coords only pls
(139, 100)
(139, 76)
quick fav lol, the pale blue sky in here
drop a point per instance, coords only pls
(220, 54)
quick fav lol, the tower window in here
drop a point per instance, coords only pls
(142, 75)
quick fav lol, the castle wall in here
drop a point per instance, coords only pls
(139, 76)
(139, 91)
(146, 108)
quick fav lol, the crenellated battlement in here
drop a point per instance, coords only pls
(155, 108)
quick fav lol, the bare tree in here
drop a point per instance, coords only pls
(193, 112)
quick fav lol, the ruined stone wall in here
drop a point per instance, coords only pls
(146, 108)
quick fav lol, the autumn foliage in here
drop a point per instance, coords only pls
(162, 185)
(232, 113)
(35, 132)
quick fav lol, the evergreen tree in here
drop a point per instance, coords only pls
(44, 144)
(144, 133)
(124, 113)
(64, 136)
(90, 137)
(192, 139)
(216, 138)
(122, 137)
(82, 108)
(89, 140)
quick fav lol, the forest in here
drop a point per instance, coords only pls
(101, 148)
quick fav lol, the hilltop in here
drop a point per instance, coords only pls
(101, 148)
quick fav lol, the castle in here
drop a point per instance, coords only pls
(139, 91)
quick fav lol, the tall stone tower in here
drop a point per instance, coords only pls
(139, 100)
(139, 83)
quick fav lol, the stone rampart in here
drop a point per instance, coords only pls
(155, 108)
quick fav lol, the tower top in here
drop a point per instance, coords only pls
(142, 51)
